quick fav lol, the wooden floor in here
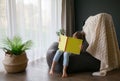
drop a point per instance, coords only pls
(38, 71)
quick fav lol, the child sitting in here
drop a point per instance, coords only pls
(78, 35)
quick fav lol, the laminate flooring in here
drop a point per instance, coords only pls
(38, 71)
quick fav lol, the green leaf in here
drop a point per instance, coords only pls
(15, 45)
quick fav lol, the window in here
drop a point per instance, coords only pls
(37, 20)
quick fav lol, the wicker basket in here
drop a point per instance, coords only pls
(15, 63)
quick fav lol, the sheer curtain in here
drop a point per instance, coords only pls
(36, 20)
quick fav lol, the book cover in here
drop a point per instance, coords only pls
(70, 44)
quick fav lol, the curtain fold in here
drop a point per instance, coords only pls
(68, 17)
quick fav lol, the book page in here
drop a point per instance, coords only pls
(62, 42)
(74, 45)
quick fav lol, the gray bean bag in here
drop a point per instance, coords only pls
(77, 63)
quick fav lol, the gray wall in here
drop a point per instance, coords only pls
(85, 8)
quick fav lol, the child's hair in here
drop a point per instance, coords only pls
(79, 35)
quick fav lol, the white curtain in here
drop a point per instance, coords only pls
(36, 20)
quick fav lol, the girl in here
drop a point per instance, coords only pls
(78, 35)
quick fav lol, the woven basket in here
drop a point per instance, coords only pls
(15, 63)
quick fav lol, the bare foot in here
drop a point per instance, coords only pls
(64, 75)
(51, 72)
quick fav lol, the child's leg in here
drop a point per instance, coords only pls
(55, 60)
(65, 64)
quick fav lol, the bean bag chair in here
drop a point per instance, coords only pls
(77, 63)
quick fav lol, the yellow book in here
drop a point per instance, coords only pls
(70, 44)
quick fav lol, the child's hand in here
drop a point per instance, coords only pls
(81, 46)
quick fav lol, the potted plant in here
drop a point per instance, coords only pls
(15, 56)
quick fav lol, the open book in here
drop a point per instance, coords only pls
(70, 44)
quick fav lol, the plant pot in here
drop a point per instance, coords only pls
(15, 63)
